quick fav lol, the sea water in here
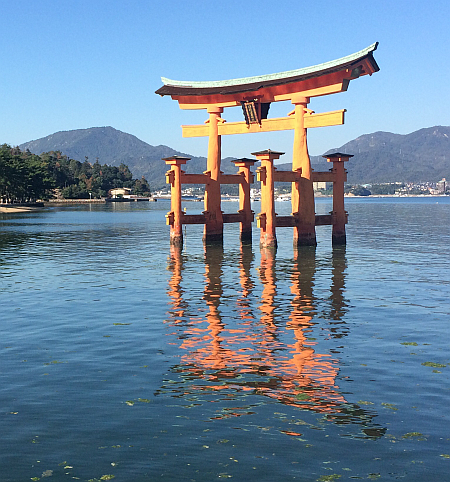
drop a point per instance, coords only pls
(121, 358)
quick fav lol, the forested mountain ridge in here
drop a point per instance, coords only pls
(423, 155)
(380, 157)
(114, 147)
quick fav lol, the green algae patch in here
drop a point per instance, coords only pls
(434, 365)
(391, 406)
(413, 435)
(409, 343)
(329, 478)
(302, 396)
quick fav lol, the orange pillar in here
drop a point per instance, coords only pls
(213, 232)
(267, 217)
(303, 192)
(245, 207)
(339, 213)
(174, 218)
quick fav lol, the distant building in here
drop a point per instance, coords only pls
(441, 185)
(120, 192)
(322, 186)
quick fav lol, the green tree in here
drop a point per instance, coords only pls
(360, 191)
(383, 189)
(25, 176)
(141, 187)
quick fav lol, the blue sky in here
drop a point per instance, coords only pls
(74, 64)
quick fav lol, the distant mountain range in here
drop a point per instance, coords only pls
(423, 155)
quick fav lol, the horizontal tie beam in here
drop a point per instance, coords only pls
(323, 119)
(325, 176)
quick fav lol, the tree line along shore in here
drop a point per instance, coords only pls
(54, 177)
(27, 177)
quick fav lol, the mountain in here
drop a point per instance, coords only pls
(114, 147)
(423, 155)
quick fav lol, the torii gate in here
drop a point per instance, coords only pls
(254, 95)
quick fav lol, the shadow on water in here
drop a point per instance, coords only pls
(259, 341)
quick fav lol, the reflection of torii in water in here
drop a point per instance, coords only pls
(214, 350)
(251, 356)
(305, 375)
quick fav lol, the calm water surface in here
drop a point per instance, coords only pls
(121, 358)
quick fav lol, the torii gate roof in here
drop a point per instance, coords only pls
(306, 81)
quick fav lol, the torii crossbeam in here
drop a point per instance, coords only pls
(254, 95)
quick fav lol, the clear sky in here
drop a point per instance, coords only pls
(74, 64)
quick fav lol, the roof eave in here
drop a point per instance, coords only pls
(248, 84)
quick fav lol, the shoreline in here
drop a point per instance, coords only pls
(52, 202)
(28, 207)
(20, 207)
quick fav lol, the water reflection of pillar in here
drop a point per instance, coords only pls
(302, 304)
(247, 284)
(337, 299)
(175, 265)
(212, 294)
(268, 280)
(268, 343)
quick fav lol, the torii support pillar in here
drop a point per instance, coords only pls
(245, 208)
(213, 232)
(339, 213)
(267, 216)
(174, 218)
(302, 193)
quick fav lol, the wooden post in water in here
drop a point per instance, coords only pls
(245, 208)
(174, 218)
(340, 215)
(213, 232)
(267, 216)
(302, 193)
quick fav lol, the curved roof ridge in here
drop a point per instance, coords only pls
(269, 77)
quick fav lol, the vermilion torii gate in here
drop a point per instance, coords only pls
(254, 95)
